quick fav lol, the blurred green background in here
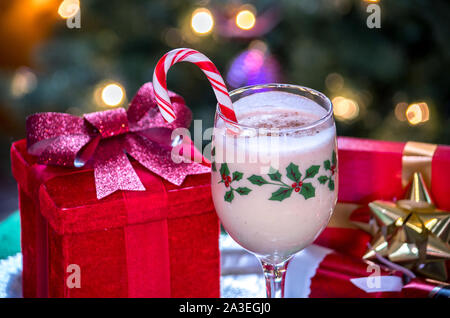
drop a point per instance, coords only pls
(387, 83)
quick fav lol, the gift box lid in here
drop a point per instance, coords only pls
(68, 200)
(372, 170)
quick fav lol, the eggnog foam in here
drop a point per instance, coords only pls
(277, 110)
(283, 113)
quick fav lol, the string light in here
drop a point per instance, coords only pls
(345, 108)
(245, 19)
(202, 21)
(417, 113)
(68, 8)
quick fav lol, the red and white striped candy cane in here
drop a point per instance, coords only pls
(205, 64)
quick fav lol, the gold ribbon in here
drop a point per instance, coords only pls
(341, 216)
(417, 157)
(411, 231)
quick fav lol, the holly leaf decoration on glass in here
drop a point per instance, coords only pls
(285, 190)
(302, 182)
(331, 185)
(243, 190)
(229, 196)
(308, 191)
(312, 171)
(237, 175)
(281, 194)
(224, 171)
(228, 180)
(293, 173)
(258, 180)
(275, 176)
(331, 167)
(322, 179)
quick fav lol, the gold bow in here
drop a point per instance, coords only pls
(411, 232)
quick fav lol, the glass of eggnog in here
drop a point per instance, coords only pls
(274, 173)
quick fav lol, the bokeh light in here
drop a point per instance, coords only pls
(109, 94)
(202, 21)
(254, 66)
(345, 109)
(245, 19)
(400, 111)
(417, 113)
(68, 8)
(23, 82)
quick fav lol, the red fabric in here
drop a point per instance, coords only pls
(332, 280)
(351, 242)
(154, 243)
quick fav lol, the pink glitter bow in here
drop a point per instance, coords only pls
(103, 140)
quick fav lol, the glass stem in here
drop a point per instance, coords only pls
(275, 275)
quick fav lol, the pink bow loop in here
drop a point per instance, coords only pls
(103, 140)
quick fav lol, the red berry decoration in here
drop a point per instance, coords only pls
(333, 168)
(227, 184)
(300, 183)
(229, 179)
(294, 184)
(297, 189)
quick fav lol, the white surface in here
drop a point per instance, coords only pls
(378, 284)
(11, 277)
(302, 269)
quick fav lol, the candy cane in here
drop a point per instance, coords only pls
(205, 64)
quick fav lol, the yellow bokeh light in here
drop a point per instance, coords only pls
(68, 8)
(245, 20)
(202, 21)
(345, 108)
(417, 113)
(112, 94)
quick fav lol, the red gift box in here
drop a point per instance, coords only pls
(154, 243)
(343, 276)
(372, 170)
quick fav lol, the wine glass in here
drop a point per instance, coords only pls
(274, 173)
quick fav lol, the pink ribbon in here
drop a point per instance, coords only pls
(103, 139)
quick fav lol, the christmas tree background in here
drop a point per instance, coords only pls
(388, 83)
